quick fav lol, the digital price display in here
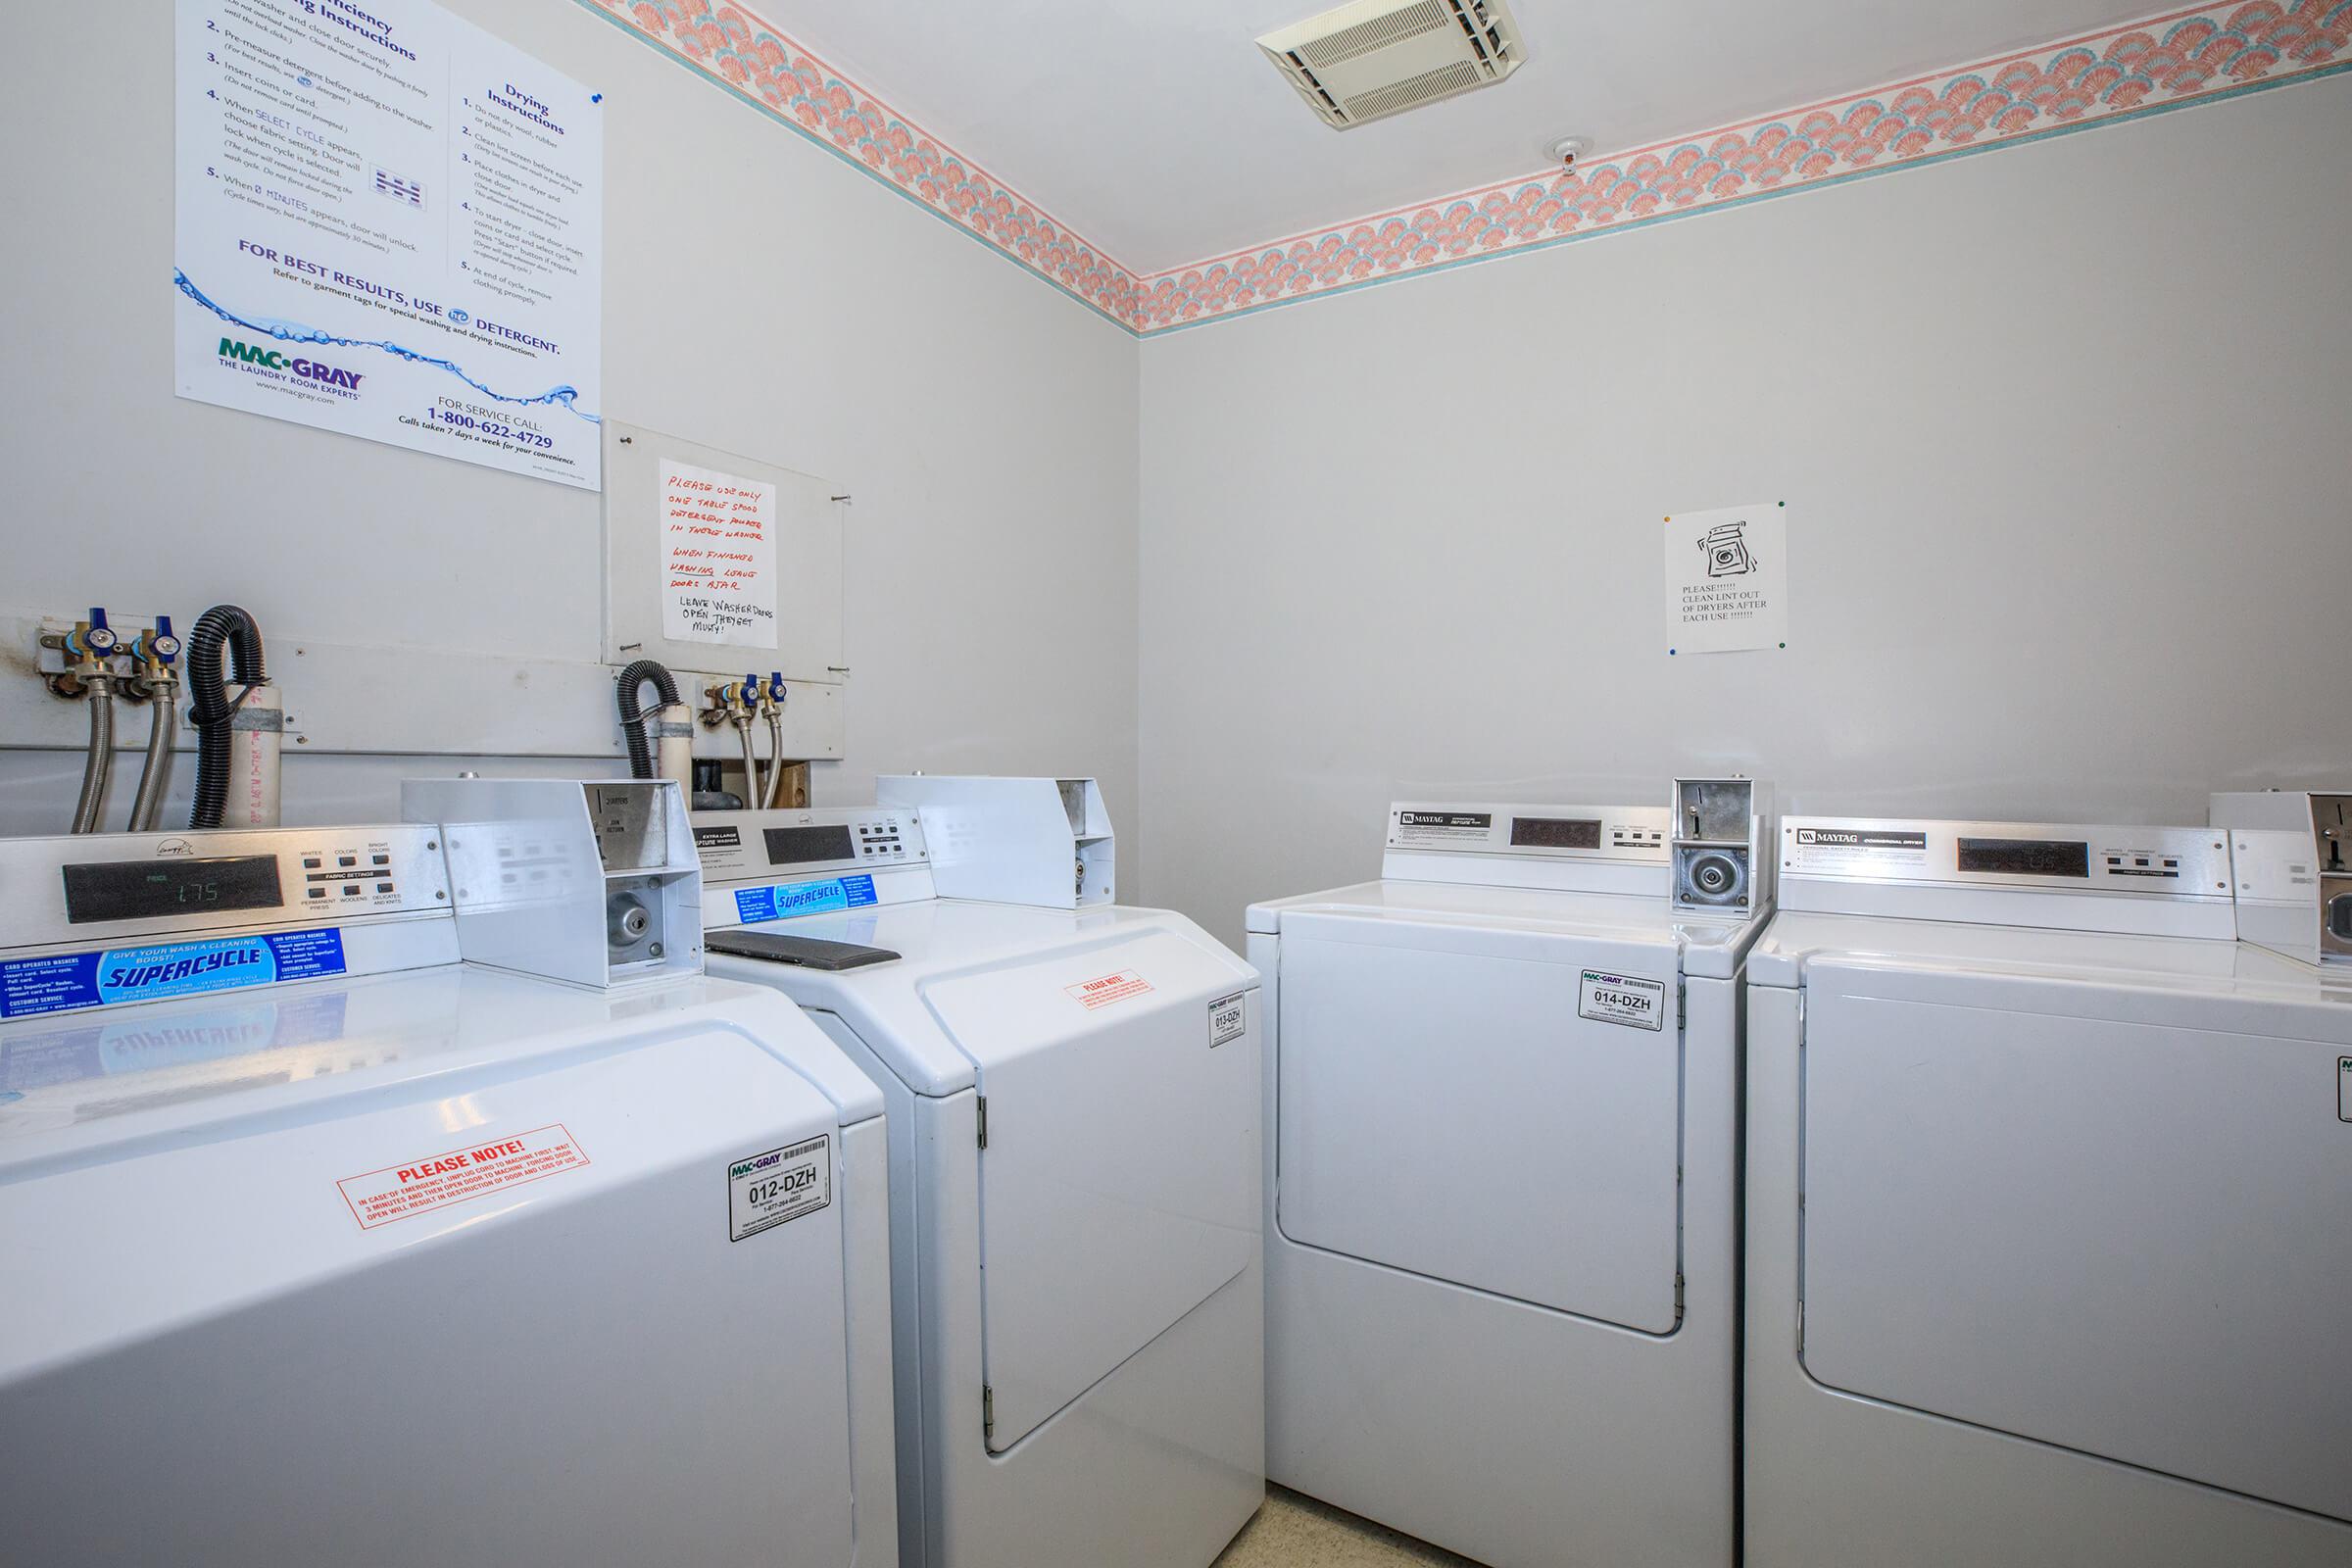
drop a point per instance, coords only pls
(142, 890)
(1556, 832)
(801, 846)
(2025, 857)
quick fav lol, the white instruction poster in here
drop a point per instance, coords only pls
(719, 557)
(391, 224)
(1727, 578)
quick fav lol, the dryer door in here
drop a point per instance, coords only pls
(1444, 1108)
(1119, 1183)
(2106, 1218)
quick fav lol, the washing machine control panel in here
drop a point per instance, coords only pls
(107, 887)
(1636, 834)
(2146, 862)
(809, 841)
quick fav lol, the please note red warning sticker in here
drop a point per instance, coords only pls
(1107, 989)
(437, 1181)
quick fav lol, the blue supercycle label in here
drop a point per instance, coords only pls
(64, 981)
(781, 901)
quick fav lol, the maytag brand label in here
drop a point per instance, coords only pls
(783, 899)
(765, 1191)
(64, 981)
(1842, 838)
(1856, 850)
(1626, 1000)
(1431, 828)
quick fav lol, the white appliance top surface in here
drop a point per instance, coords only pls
(2202, 966)
(75, 1084)
(1711, 948)
(941, 938)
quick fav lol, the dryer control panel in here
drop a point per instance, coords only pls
(1590, 848)
(2062, 876)
(105, 887)
(812, 841)
(2169, 861)
(1638, 834)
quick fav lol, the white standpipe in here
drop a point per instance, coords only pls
(674, 747)
(256, 735)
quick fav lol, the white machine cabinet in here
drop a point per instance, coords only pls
(1073, 1096)
(326, 1247)
(1502, 1232)
(2046, 1198)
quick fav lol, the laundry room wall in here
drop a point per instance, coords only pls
(2061, 433)
(761, 296)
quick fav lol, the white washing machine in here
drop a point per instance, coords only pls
(1072, 1095)
(2049, 1259)
(325, 1247)
(1502, 1232)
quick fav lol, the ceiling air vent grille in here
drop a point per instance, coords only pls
(1375, 58)
(1337, 49)
(1398, 96)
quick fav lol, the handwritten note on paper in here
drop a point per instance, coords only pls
(719, 557)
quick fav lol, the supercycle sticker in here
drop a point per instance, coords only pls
(64, 981)
(780, 900)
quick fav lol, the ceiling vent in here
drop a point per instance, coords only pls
(1376, 57)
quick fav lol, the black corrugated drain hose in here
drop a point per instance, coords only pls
(208, 708)
(632, 722)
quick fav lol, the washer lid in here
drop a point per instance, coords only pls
(1710, 947)
(2177, 967)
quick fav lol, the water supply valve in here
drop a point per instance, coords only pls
(91, 640)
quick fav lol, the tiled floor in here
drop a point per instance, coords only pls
(1296, 1532)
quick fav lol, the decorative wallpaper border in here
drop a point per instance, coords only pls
(2166, 62)
(742, 52)
(2199, 53)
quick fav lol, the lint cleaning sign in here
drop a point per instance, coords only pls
(1727, 579)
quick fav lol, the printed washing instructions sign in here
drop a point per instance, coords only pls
(1727, 579)
(719, 557)
(389, 223)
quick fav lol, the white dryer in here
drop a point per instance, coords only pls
(1072, 1095)
(325, 1247)
(2047, 1185)
(1502, 1242)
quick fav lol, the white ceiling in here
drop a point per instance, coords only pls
(1156, 130)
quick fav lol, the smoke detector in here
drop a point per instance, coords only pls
(1374, 58)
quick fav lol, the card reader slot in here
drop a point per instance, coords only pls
(807, 953)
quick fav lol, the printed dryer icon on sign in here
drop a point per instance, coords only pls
(1726, 548)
